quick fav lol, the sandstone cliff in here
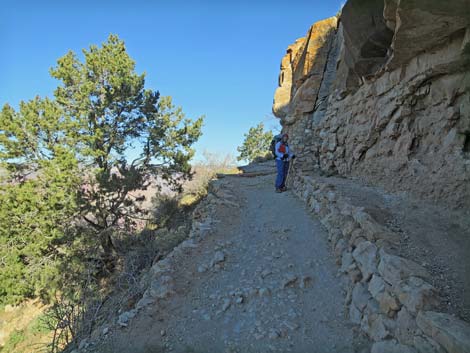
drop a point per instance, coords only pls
(383, 93)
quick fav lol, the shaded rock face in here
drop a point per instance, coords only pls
(383, 93)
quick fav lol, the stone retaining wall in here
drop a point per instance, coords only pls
(389, 297)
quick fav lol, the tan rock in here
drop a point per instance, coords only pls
(366, 256)
(423, 24)
(388, 304)
(426, 345)
(301, 72)
(406, 327)
(393, 268)
(453, 334)
(416, 294)
(374, 326)
(375, 105)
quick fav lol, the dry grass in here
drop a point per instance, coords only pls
(23, 328)
(213, 164)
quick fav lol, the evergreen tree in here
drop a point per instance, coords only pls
(256, 143)
(67, 160)
(37, 196)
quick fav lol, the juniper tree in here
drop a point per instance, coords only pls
(255, 144)
(68, 158)
(37, 196)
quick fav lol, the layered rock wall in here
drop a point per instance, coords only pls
(383, 93)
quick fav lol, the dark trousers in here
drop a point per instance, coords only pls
(282, 170)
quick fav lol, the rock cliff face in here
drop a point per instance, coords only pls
(383, 93)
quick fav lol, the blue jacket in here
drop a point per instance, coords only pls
(279, 150)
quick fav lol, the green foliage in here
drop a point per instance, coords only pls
(256, 143)
(113, 111)
(37, 197)
(15, 338)
(40, 325)
(66, 161)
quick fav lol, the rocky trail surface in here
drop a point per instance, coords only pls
(261, 279)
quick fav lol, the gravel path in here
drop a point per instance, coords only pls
(264, 280)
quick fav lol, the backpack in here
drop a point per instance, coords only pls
(274, 141)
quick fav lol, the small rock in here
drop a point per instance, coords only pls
(264, 292)
(273, 334)
(258, 336)
(105, 331)
(226, 304)
(163, 333)
(239, 300)
(219, 257)
(265, 273)
(290, 325)
(124, 318)
(289, 280)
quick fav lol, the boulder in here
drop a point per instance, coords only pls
(416, 294)
(394, 269)
(388, 304)
(376, 285)
(374, 326)
(427, 345)
(360, 296)
(347, 262)
(355, 315)
(365, 255)
(451, 333)
(406, 327)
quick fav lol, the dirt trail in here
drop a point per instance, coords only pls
(263, 280)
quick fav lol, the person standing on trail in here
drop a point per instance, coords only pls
(283, 157)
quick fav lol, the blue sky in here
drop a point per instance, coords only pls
(215, 58)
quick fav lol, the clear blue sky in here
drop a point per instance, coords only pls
(215, 58)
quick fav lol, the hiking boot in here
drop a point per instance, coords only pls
(278, 190)
(284, 189)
